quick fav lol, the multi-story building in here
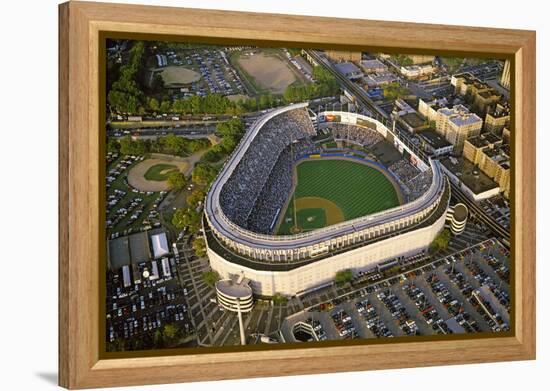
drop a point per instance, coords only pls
(463, 173)
(478, 93)
(458, 124)
(434, 143)
(343, 55)
(495, 162)
(373, 66)
(429, 108)
(505, 77)
(379, 79)
(497, 118)
(485, 99)
(506, 135)
(416, 71)
(492, 157)
(408, 117)
(415, 58)
(420, 58)
(474, 146)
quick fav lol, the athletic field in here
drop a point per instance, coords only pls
(331, 191)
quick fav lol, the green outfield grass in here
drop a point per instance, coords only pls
(159, 172)
(342, 189)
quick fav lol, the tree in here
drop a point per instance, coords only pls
(402, 60)
(132, 147)
(211, 277)
(231, 133)
(194, 198)
(343, 276)
(157, 83)
(176, 180)
(394, 91)
(172, 144)
(203, 174)
(199, 245)
(170, 331)
(125, 94)
(165, 107)
(186, 218)
(112, 145)
(154, 104)
(214, 154)
(440, 242)
(279, 299)
(196, 145)
(228, 144)
(158, 340)
(234, 128)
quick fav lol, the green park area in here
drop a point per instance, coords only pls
(159, 172)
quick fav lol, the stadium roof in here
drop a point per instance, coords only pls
(160, 244)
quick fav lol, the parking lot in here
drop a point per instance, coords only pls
(437, 298)
(129, 210)
(466, 292)
(217, 76)
(137, 315)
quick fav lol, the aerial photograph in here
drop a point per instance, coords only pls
(259, 195)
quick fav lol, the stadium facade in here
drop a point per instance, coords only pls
(291, 264)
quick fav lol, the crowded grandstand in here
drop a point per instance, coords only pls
(256, 193)
(250, 192)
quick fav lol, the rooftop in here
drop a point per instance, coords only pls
(498, 155)
(489, 94)
(139, 247)
(437, 103)
(235, 289)
(347, 68)
(119, 254)
(460, 212)
(499, 110)
(434, 139)
(372, 64)
(413, 120)
(469, 174)
(380, 78)
(484, 140)
(460, 115)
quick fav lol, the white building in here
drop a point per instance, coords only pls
(416, 71)
(457, 125)
(160, 245)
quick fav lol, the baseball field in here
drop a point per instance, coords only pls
(331, 191)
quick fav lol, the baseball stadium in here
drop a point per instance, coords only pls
(306, 195)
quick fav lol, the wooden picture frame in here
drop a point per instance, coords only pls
(81, 364)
